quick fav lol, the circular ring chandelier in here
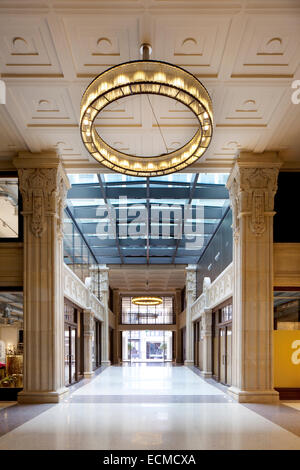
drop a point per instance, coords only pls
(147, 301)
(146, 77)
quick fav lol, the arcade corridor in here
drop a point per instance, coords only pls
(154, 407)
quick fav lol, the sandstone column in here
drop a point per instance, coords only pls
(206, 343)
(190, 299)
(252, 185)
(206, 332)
(116, 311)
(104, 293)
(88, 335)
(177, 312)
(43, 185)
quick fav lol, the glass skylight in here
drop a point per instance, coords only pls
(141, 240)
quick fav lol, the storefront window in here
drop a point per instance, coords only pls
(286, 340)
(135, 314)
(226, 313)
(73, 343)
(287, 310)
(11, 344)
(222, 343)
(9, 208)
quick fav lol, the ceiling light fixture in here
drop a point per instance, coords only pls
(146, 300)
(146, 77)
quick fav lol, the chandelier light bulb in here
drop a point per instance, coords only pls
(146, 300)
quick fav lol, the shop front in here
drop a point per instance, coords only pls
(147, 346)
(286, 343)
(197, 345)
(11, 344)
(73, 343)
(222, 342)
(96, 355)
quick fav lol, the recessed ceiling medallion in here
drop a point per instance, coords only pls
(146, 77)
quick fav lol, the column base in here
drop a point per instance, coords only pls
(205, 374)
(188, 362)
(88, 375)
(105, 363)
(254, 396)
(42, 397)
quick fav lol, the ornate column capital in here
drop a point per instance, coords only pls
(252, 185)
(103, 278)
(191, 282)
(43, 184)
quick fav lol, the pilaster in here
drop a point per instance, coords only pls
(88, 334)
(104, 295)
(190, 299)
(43, 185)
(252, 186)
(177, 308)
(116, 308)
(206, 334)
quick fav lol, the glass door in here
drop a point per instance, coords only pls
(147, 346)
(70, 355)
(97, 345)
(228, 354)
(73, 362)
(222, 343)
(67, 355)
(222, 353)
(225, 335)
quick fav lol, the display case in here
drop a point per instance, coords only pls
(11, 345)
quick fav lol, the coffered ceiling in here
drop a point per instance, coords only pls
(160, 279)
(247, 54)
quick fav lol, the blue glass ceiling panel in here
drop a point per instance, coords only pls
(128, 220)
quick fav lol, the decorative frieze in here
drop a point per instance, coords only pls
(79, 293)
(215, 293)
(222, 288)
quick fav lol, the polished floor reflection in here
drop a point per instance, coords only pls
(150, 408)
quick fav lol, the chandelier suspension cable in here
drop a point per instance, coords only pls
(159, 128)
(145, 51)
(147, 300)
